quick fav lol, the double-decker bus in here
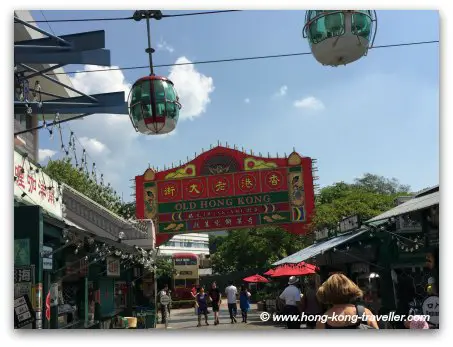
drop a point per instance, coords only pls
(186, 275)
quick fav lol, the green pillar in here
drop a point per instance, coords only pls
(386, 256)
(85, 311)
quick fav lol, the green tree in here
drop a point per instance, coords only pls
(215, 242)
(366, 197)
(165, 271)
(381, 185)
(254, 248)
(63, 172)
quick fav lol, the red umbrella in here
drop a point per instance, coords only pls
(299, 269)
(269, 272)
(256, 279)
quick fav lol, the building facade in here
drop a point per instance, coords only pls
(190, 243)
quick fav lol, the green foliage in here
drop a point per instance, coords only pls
(165, 271)
(381, 185)
(215, 242)
(62, 171)
(254, 248)
(367, 197)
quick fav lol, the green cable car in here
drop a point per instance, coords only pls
(154, 105)
(340, 37)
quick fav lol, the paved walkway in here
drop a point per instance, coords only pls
(186, 319)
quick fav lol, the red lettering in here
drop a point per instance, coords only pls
(42, 190)
(18, 172)
(31, 184)
(51, 197)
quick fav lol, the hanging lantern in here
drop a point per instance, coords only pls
(154, 105)
(339, 37)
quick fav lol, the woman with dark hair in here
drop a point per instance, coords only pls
(340, 292)
(244, 303)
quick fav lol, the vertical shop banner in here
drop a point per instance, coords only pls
(113, 267)
(23, 280)
(47, 260)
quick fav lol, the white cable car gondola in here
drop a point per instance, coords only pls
(340, 37)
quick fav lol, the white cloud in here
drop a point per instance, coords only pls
(101, 82)
(309, 103)
(247, 100)
(93, 146)
(282, 91)
(164, 46)
(193, 88)
(43, 154)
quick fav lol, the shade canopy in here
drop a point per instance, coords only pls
(299, 269)
(269, 272)
(256, 279)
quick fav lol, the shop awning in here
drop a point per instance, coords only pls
(412, 205)
(319, 247)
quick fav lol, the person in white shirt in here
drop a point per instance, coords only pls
(231, 292)
(293, 306)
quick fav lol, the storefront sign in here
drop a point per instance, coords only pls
(21, 252)
(185, 272)
(113, 267)
(47, 260)
(225, 189)
(23, 312)
(431, 307)
(321, 234)
(349, 223)
(37, 187)
(23, 280)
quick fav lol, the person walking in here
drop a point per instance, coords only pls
(244, 303)
(292, 302)
(231, 292)
(202, 305)
(194, 293)
(216, 300)
(163, 309)
(341, 293)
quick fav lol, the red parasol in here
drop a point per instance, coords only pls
(299, 269)
(256, 279)
(269, 272)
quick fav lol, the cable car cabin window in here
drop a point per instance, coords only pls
(361, 24)
(325, 27)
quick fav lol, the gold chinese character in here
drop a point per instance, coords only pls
(246, 183)
(169, 190)
(274, 180)
(220, 186)
(194, 189)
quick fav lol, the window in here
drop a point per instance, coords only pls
(327, 26)
(361, 24)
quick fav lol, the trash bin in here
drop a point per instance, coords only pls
(146, 318)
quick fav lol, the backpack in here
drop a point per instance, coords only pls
(360, 312)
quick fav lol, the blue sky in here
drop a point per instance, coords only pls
(379, 114)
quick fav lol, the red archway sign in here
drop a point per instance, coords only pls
(225, 189)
